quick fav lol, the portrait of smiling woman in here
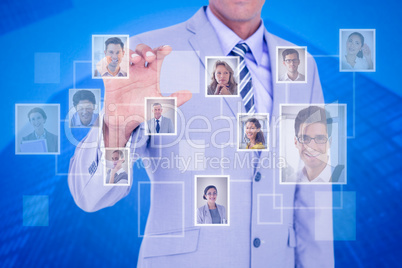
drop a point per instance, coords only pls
(222, 80)
(211, 213)
(253, 136)
(37, 118)
(357, 54)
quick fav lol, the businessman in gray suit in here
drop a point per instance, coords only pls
(272, 225)
(159, 123)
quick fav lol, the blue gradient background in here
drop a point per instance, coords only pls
(110, 237)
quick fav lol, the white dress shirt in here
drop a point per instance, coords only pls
(360, 64)
(324, 176)
(257, 61)
(153, 124)
(285, 77)
(43, 136)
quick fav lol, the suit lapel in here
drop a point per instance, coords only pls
(208, 218)
(205, 43)
(32, 136)
(278, 90)
(163, 128)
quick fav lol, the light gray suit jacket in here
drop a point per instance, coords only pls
(52, 141)
(166, 126)
(204, 215)
(123, 177)
(282, 217)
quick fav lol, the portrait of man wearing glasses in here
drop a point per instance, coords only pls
(313, 129)
(291, 61)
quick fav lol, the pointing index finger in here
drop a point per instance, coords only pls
(134, 57)
(163, 51)
(145, 52)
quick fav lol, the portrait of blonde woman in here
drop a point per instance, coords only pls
(222, 80)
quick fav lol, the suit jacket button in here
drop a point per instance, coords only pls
(257, 176)
(257, 242)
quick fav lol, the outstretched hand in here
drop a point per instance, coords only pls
(125, 98)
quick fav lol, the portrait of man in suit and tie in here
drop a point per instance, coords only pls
(116, 167)
(162, 121)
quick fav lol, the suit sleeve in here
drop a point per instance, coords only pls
(316, 92)
(313, 226)
(313, 209)
(86, 173)
(171, 129)
(56, 149)
(149, 126)
(200, 218)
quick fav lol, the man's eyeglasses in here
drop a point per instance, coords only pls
(86, 107)
(294, 61)
(305, 139)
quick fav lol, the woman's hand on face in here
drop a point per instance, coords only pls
(222, 89)
(225, 90)
(218, 89)
(366, 51)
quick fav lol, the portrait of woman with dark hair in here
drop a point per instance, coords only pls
(37, 117)
(211, 212)
(357, 54)
(253, 136)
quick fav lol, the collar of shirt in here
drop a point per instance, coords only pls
(119, 74)
(285, 77)
(43, 136)
(105, 72)
(160, 120)
(228, 39)
(324, 176)
(77, 121)
(121, 170)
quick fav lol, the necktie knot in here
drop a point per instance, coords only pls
(241, 49)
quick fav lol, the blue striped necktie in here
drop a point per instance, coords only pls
(158, 127)
(246, 86)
